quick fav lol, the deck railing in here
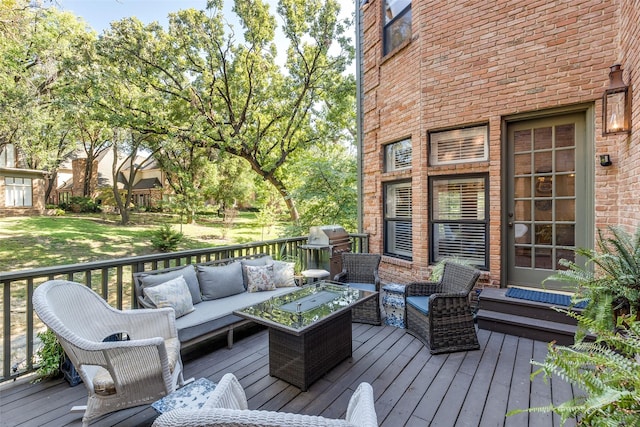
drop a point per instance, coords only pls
(113, 280)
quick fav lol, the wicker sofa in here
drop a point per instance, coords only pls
(217, 288)
(227, 406)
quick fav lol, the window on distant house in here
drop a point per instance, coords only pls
(397, 156)
(459, 145)
(397, 23)
(398, 233)
(459, 219)
(17, 191)
(7, 156)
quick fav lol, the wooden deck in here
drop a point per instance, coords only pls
(412, 387)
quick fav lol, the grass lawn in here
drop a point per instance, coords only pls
(31, 242)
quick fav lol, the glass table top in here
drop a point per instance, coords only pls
(305, 307)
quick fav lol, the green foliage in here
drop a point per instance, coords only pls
(325, 188)
(79, 204)
(614, 285)
(606, 373)
(38, 46)
(203, 93)
(438, 269)
(165, 239)
(49, 356)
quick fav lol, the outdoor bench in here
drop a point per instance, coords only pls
(215, 290)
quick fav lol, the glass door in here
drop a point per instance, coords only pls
(547, 203)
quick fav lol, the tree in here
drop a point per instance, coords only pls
(325, 187)
(126, 148)
(203, 87)
(37, 47)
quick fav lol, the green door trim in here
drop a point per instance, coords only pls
(585, 199)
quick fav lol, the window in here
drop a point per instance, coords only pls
(397, 220)
(17, 191)
(397, 23)
(7, 156)
(459, 219)
(397, 156)
(459, 145)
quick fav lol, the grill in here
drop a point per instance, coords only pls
(324, 247)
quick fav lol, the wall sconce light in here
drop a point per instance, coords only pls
(616, 104)
(605, 160)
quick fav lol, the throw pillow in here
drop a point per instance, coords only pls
(263, 260)
(188, 273)
(174, 293)
(220, 282)
(260, 278)
(283, 274)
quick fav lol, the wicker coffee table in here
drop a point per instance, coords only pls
(309, 330)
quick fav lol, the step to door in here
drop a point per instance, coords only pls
(526, 327)
(496, 300)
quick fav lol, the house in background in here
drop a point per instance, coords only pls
(21, 190)
(71, 177)
(482, 132)
(148, 186)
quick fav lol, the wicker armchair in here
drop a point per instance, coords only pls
(440, 314)
(227, 406)
(119, 374)
(361, 271)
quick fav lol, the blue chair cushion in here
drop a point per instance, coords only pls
(419, 303)
(363, 286)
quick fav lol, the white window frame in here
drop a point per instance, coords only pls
(457, 145)
(18, 192)
(398, 156)
(7, 156)
(459, 228)
(398, 213)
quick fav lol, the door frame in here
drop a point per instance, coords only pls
(589, 153)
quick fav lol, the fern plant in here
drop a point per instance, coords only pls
(613, 286)
(606, 372)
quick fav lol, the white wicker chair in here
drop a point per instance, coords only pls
(227, 406)
(119, 374)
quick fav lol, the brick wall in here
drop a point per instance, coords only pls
(627, 153)
(481, 62)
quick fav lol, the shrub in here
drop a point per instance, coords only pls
(165, 239)
(79, 204)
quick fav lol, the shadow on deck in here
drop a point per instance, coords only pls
(411, 386)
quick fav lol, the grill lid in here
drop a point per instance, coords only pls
(327, 235)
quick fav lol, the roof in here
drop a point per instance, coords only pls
(147, 183)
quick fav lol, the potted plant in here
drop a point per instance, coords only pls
(53, 361)
(49, 356)
(612, 288)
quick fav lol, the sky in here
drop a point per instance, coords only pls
(99, 13)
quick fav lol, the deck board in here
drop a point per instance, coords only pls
(411, 386)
